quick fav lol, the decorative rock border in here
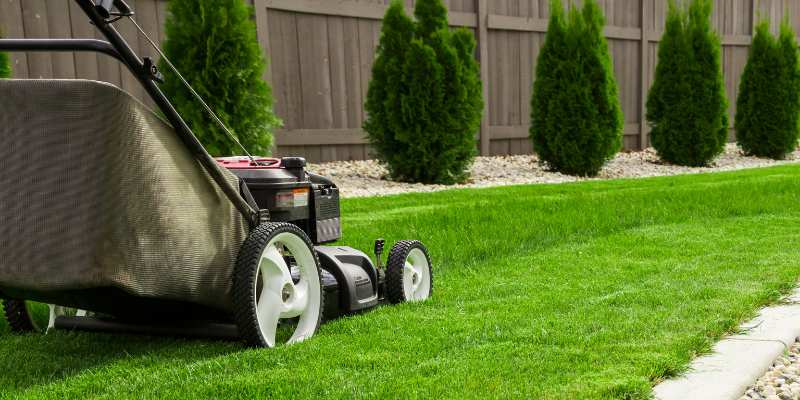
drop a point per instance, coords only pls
(781, 382)
(363, 178)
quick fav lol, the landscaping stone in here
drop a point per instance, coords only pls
(780, 381)
(367, 178)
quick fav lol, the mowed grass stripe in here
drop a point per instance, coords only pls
(584, 290)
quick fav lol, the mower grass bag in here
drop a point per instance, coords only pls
(104, 208)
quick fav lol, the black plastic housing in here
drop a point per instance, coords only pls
(355, 274)
(326, 215)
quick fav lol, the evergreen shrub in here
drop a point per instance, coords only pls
(5, 63)
(424, 103)
(576, 120)
(687, 106)
(767, 116)
(213, 45)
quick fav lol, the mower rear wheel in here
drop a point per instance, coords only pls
(19, 316)
(264, 291)
(408, 272)
(22, 318)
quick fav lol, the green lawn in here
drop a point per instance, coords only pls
(583, 290)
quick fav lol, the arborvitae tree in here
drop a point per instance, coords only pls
(576, 121)
(767, 116)
(213, 45)
(545, 85)
(687, 105)
(5, 63)
(424, 102)
(386, 90)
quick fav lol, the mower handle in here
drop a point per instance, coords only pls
(104, 7)
(135, 64)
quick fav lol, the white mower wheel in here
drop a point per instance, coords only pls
(263, 288)
(409, 274)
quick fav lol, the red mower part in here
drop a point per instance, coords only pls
(246, 163)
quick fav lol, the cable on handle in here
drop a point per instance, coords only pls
(197, 96)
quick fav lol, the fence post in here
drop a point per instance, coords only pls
(483, 51)
(644, 66)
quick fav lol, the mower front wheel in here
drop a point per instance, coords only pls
(265, 291)
(408, 272)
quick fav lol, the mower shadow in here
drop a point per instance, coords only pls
(31, 360)
(35, 360)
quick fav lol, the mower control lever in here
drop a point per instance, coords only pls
(378, 250)
(104, 8)
(150, 71)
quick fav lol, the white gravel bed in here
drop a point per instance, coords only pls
(781, 382)
(363, 178)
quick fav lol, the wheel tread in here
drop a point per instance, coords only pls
(18, 316)
(243, 289)
(394, 269)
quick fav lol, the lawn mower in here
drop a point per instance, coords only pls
(120, 221)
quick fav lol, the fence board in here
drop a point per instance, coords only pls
(526, 71)
(129, 82)
(483, 38)
(107, 67)
(504, 70)
(338, 78)
(58, 27)
(34, 17)
(353, 82)
(161, 8)
(293, 119)
(13, 28)
(147, 18)
(366, 49)
(276, 63)
(86, 66)
(312, 32)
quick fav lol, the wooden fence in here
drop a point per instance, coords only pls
(322, 52)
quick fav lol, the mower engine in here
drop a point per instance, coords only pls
(291, 194)
(311, 201)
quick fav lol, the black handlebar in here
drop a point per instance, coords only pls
(97, 46)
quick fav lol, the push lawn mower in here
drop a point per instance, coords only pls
(122, 222)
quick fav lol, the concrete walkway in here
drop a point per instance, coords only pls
(738, 361)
